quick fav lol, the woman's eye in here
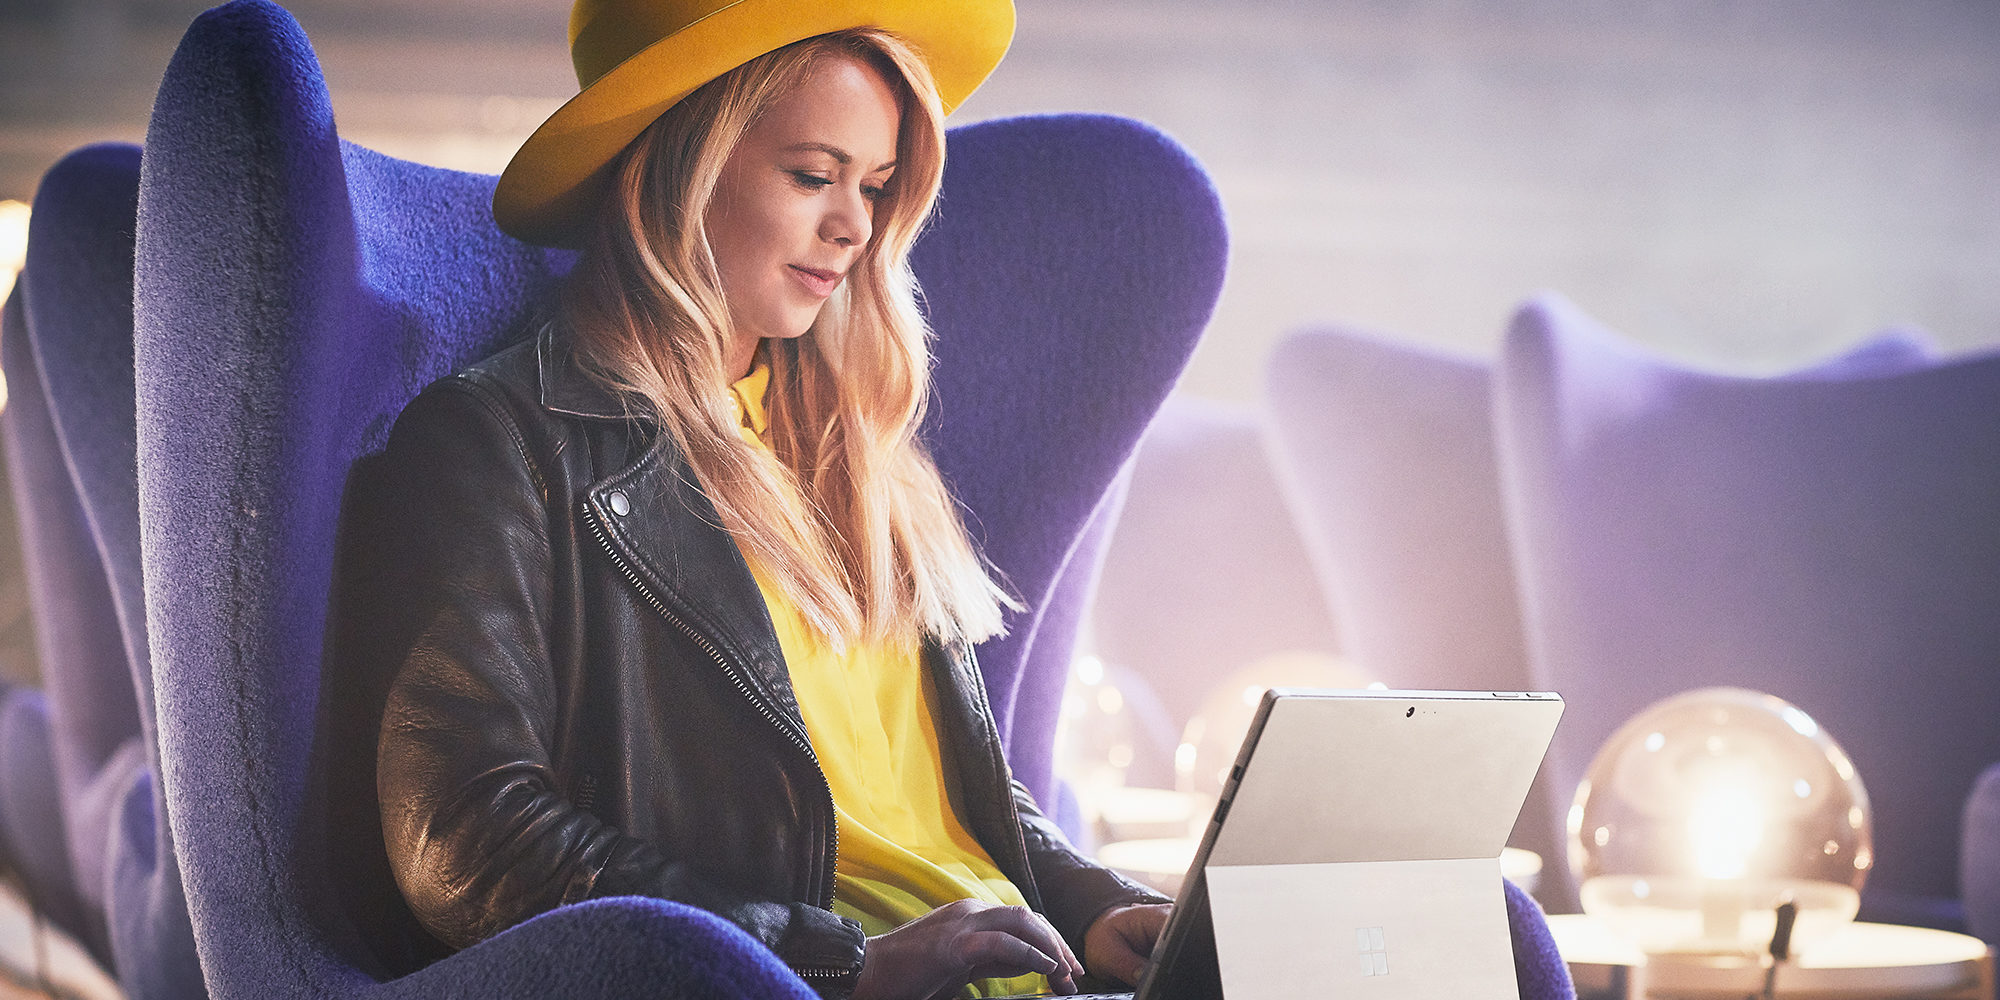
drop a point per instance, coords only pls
(810, 180)
(871, 192)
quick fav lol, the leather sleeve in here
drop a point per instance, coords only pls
(479, 836)
(1075, 890)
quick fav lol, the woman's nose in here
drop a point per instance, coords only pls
(850, 220)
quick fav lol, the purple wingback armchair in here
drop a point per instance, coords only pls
(71, 433)
(1389, 454)
(1829, 537)
(294, 291)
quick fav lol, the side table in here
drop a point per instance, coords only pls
(1859, 962)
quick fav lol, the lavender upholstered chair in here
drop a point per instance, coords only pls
(1205, 572)
(1979, 867)
(1829, 537)
(71, 433)
(34, 840)
(295, 291)
(1389, 455)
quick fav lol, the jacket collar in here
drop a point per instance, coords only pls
(668, 536)
(565, 387)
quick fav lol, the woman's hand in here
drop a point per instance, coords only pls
(936, 954)
(1121, 941)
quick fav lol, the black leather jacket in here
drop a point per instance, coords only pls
(586, 698)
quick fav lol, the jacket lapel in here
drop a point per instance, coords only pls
(670, 542)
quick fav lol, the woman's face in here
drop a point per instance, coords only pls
(795, 205)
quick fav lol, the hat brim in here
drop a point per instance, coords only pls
(554, 181)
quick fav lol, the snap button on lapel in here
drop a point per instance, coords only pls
(619, 504)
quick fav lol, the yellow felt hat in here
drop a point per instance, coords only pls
(636, 58)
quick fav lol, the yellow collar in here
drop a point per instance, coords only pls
(748, 395)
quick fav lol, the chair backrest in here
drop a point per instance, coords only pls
(1054, 350)
(76, 449)
(34, 831)
(1206, 573)
(1828, 537)
(1388, 450)
(295, 292)
(1389, 456)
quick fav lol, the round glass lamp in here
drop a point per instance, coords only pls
(1214, 734)
(1709, 810)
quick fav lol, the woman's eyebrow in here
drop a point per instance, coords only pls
(840, 156)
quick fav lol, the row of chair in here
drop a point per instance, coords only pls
(211, 333)
(1582, 515)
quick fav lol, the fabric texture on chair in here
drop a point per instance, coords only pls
(75, 449)
(1206, 573)
(1979, 869)
(1053, 353)
(1539, 970)
(1827, 537)
(295, 292)
(33, 844)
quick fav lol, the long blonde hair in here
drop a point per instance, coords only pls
(852, 519)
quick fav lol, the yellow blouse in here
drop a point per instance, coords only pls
(902, 850)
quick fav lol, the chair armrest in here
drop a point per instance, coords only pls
(1539, 970)
(624, 946)
(1979, 857)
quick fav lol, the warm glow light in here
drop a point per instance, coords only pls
(1724, 827)
(13, 238)
(1800, 722)
(13, 254)
(1090, 670)
(1705, 812)
(1110, 700)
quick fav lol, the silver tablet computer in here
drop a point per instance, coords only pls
(1355, 850)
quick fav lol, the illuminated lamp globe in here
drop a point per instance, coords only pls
(1705, 813)
(1214, 733)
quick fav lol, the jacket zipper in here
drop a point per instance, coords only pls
(823, 896)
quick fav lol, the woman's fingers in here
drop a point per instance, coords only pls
(1027, 940)
(942, 950)
(1121, 941)
(999, 955)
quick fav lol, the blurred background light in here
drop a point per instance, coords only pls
(1705, 812)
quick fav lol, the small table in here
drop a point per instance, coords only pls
(1859, 962)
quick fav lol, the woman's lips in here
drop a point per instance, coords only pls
(820, 283)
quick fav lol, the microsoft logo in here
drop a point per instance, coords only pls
(1374, 952)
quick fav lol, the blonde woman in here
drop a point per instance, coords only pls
(687, 609)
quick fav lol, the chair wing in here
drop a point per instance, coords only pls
(75, 439)
(1074, 263)
(1827, 537)
(294, 292)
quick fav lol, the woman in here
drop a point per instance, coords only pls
(687, 611)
